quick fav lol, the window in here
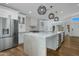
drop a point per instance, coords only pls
(75, 19)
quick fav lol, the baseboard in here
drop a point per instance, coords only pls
(20, 44)
(74, 37)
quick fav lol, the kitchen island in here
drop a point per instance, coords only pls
(36, 44)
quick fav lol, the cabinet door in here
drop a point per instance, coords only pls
(33, 22)
(28, 23)
(38, 46)
(21, 38)
(34, 46)
(28, 45)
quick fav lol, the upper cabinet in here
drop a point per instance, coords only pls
(6, 12)
(33, 22)
(21, 19)
(22, 22)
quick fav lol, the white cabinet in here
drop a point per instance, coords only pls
(21, 38)
(22, 23)
(33, 22)
(28, 22)
(53, 42)
(5, 12)
(34, 46)
(22, 27)
(28, 45)
(14, 15)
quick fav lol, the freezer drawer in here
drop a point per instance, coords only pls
(6, 43)
(1, 44)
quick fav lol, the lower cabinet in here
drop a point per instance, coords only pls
(21, 38)
(55, 41)
(61, 39)
(52, 42)
(34, 46)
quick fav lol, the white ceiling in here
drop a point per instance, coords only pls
(67, 8)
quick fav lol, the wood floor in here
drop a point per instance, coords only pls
(70, 47)
(18, 51)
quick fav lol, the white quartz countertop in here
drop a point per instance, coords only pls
(43, 34)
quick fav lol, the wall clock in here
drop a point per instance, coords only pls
(41, 10)
(51, 16)
(56, 19)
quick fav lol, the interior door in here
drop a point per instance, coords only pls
(28, 45)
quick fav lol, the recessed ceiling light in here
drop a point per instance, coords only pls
(30, 12)
(77, 4)
(61, 11)
(7, 3)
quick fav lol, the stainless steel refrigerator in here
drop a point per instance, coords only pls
(8, 38)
